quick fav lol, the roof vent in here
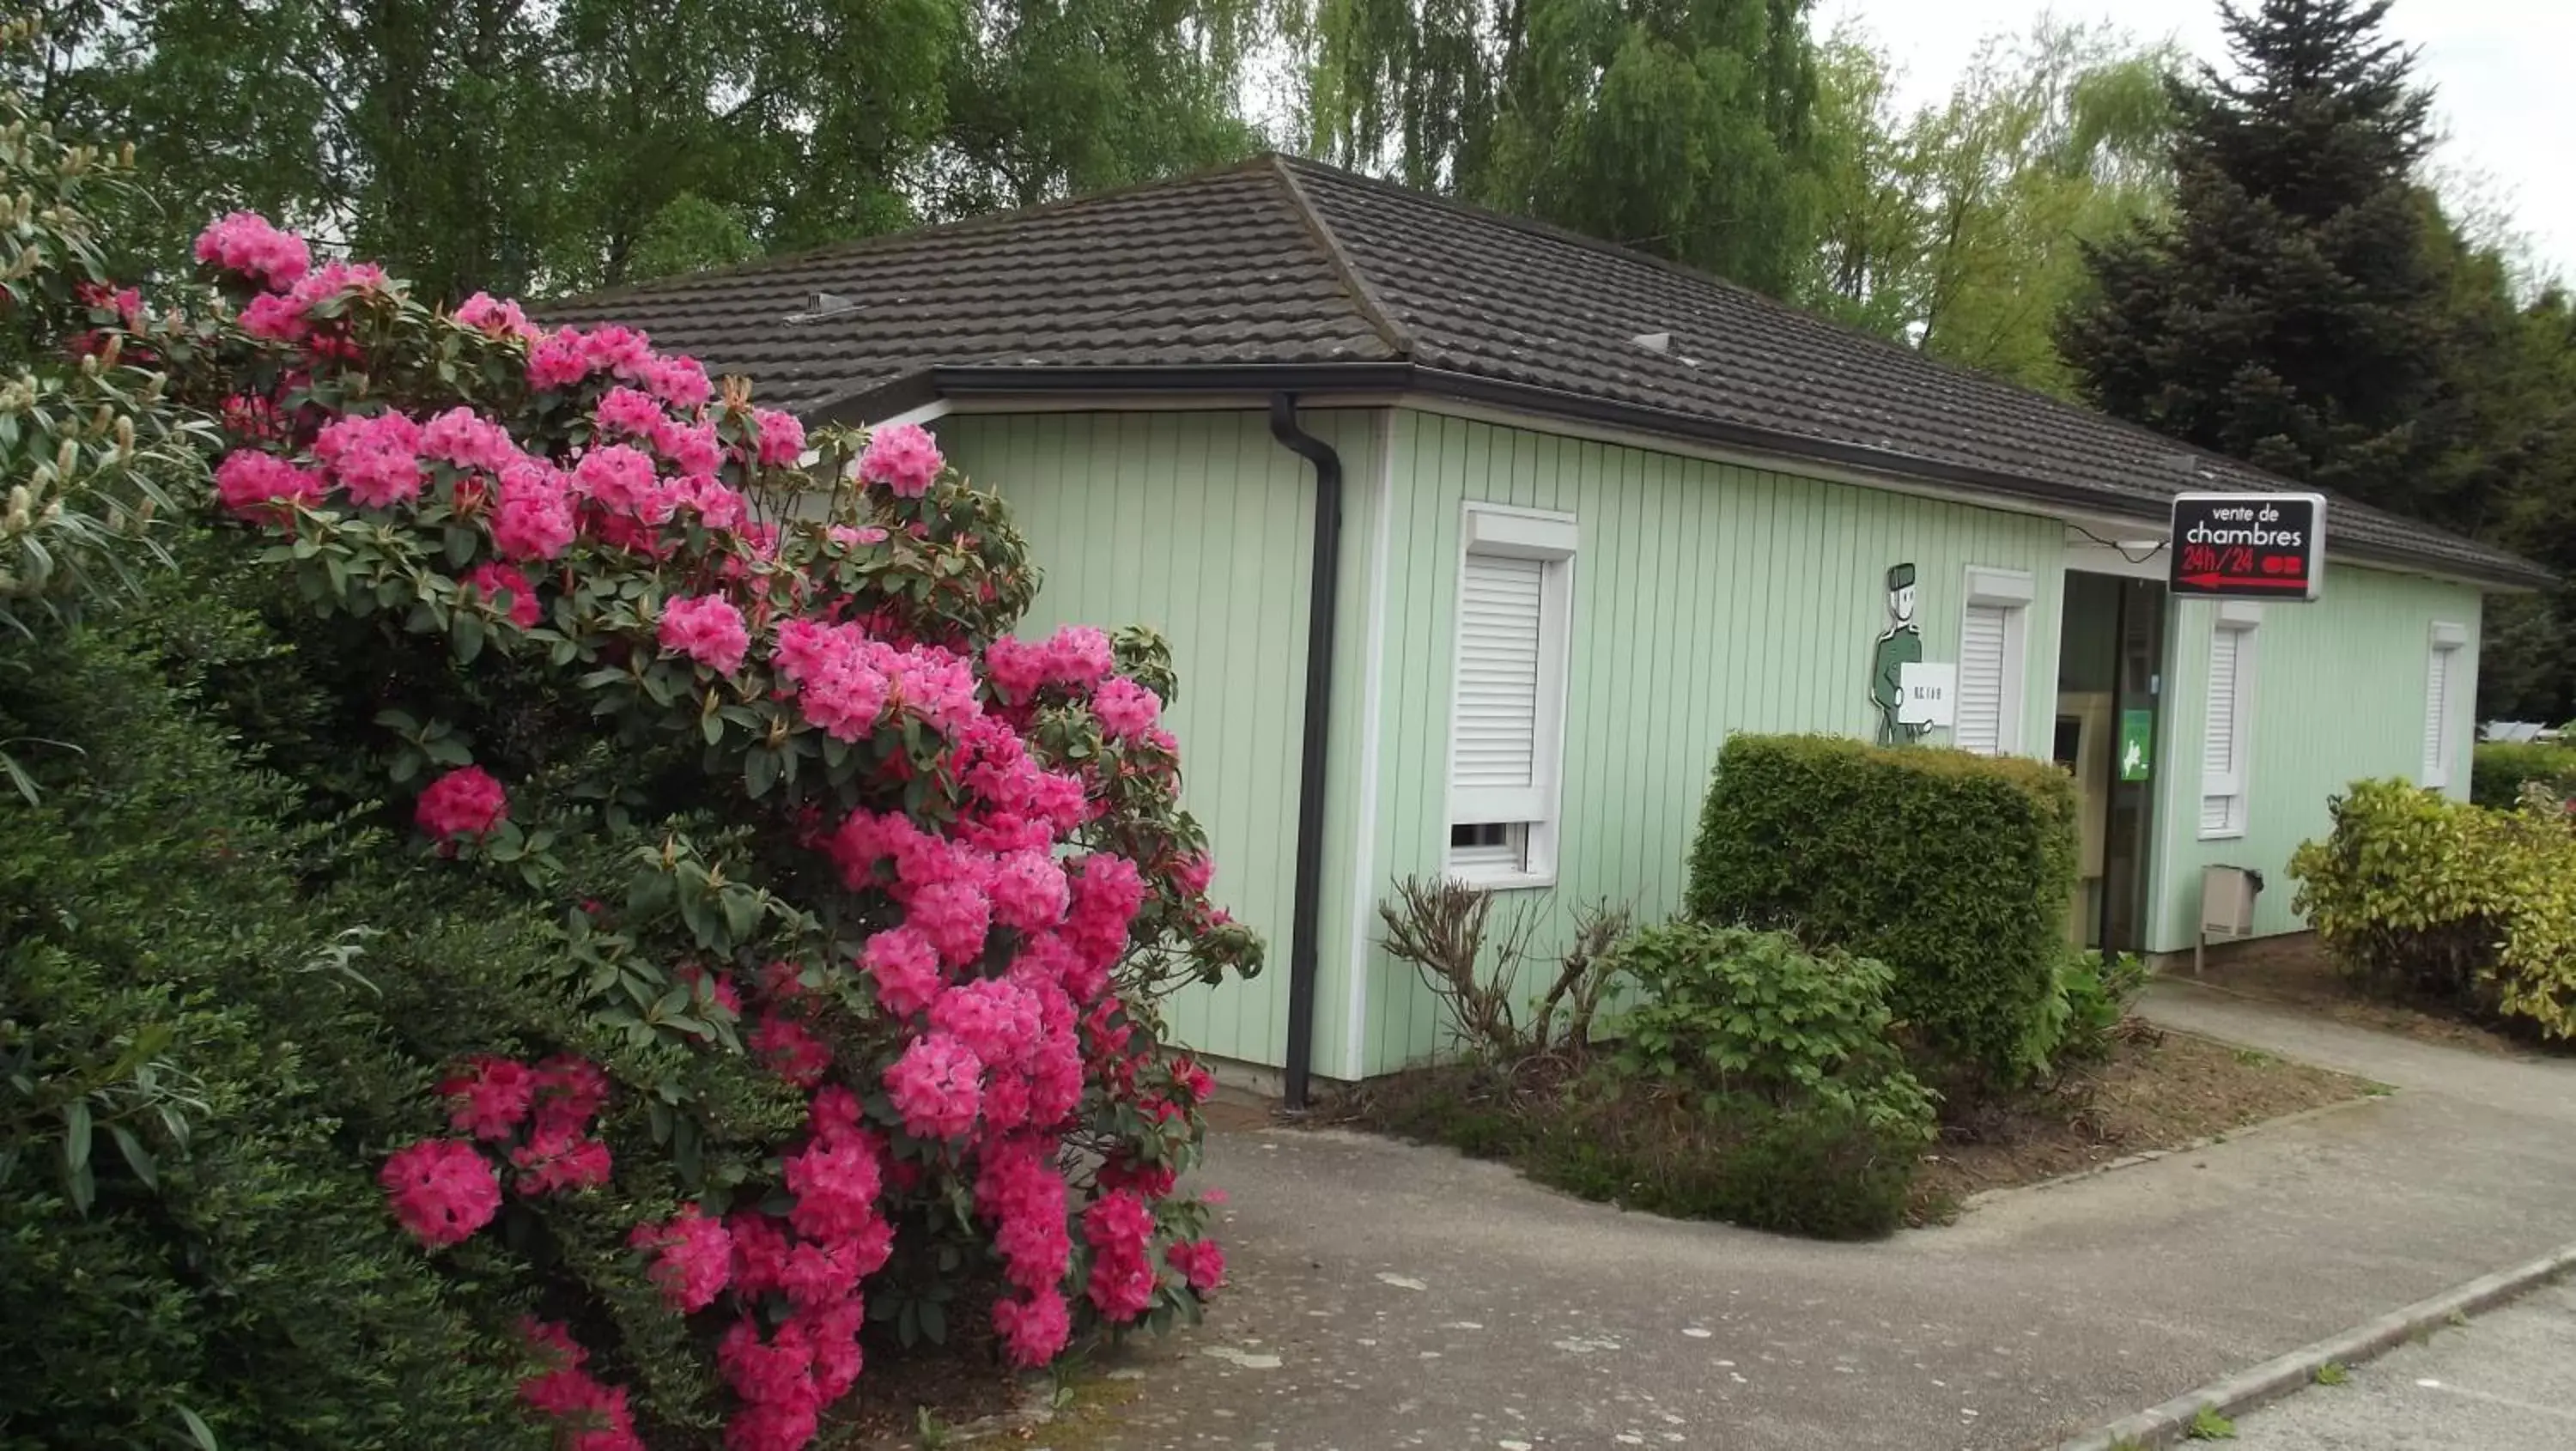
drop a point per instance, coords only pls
(820, 305)
(1661, 344)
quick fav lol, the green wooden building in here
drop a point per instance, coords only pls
(1474, 540)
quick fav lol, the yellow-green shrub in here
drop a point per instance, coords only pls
(2453, 901)
(2501, 769)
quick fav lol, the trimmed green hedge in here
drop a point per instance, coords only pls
(1955, 870)
(2501, 768)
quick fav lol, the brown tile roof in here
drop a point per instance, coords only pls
(1287, 264)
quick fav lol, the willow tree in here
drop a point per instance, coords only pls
(1959, 227)
(504, 145)
(1685, 128)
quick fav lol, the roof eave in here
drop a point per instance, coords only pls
(1393, 379)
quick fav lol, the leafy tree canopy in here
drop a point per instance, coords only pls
(507, 146)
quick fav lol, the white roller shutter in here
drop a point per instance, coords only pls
(1494, 754)
(1982, 633)
(2222, 738)
(2437, 717)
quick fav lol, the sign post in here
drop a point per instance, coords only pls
(2248, 546)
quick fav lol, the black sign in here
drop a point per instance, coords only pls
(2249, 546)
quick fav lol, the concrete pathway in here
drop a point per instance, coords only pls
(2504, 1382)
(1392, 1296)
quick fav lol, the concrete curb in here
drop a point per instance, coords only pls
(2168, 1424)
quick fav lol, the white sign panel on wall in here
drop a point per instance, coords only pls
(1927, 695)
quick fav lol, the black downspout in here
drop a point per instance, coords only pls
(1306, 907)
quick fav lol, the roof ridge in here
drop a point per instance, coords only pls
(954, 226)
(1398, 337)
(2199, 457)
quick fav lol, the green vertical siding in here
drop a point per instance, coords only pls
(1200, 525)
(1708, 599)
(2338, 695)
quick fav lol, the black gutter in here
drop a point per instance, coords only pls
(1390, 379)
(1306, 898)
(1255, 378)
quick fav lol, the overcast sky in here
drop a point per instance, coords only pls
(2504, 95)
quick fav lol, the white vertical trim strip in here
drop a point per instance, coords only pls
(924, 413)
(1372, 682)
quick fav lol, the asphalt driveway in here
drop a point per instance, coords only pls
(1391, 1296)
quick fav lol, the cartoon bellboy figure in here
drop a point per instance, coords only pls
(1900, 646)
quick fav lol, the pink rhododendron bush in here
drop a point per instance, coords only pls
(866, 902)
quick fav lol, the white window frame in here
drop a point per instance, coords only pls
(2011, 591)
(2245, 619)
(2441, 741)
(1529, 814)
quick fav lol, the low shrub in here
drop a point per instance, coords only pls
(2438, 899)
(201, 1054)
(1733, 1011)
(1955, 870)
(2096, 992)
(1818, 1171)
(1753, 1082)
(1669, 1149)
(1472, 964)
(2501, 769)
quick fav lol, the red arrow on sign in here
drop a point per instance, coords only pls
(2206, 581)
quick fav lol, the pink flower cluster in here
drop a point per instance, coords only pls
(534, 519)
(1076, 657)
(441, 1189)
(693, 1257)
(490, 1096)
(374, 457)
(1201, 1262)
(285, 315)
(263, 487)
(1126, 710)
(782, 438)
(938, 1087)
(245, 243)
(846, 680)
(465, 802)
(903, 457)
(466, 439)
(569, 357)
(506, 589)
(485, 313)
(1020, 1190)
(707, 629)
(789, 1049)
(594, 1416)
(493, 1099)
(559, 1152)
(833, 1238)
(1120, 1230)
(1000, 900)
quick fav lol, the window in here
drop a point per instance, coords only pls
(1991, 634)
(2441, 689)
(2225, 729)
(1507, 721)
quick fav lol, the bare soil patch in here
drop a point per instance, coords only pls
(2159, 1090)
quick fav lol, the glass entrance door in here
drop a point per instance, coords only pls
(2137, 715)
